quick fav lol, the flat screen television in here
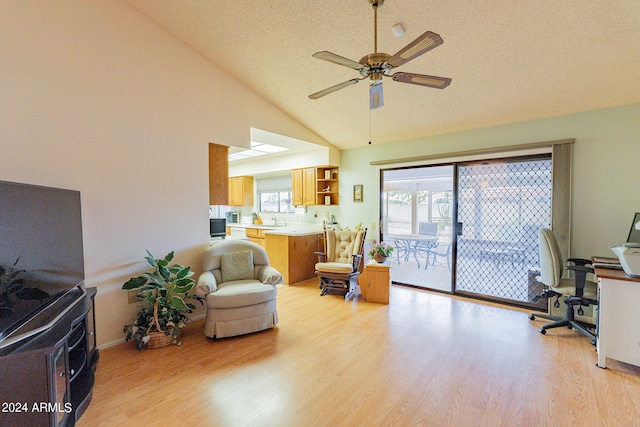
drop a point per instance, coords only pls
(41, 258)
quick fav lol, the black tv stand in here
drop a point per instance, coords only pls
(47, 379)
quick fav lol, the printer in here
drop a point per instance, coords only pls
(629, 256)
(629, 253)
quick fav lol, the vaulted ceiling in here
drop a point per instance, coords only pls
(510, 61)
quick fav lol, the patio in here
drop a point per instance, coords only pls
(507, 278)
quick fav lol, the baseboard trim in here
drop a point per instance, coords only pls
(110, 344)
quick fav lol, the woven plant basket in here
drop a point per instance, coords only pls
(157, 338)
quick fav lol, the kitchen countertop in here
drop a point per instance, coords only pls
(285, 232)
(288, 230)
(263, 226)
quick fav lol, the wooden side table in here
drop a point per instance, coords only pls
(374, 282)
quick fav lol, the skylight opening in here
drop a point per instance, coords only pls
(257, 149)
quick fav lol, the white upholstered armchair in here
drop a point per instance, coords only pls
(239, 288)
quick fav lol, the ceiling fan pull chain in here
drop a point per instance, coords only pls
(369, 126)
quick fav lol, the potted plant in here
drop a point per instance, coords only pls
(380, 251)
(165, 292)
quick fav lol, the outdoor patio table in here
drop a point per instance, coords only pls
(413, 244)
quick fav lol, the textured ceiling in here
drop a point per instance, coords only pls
(510, 61)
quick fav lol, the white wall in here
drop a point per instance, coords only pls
(606, 175)
(96, 98)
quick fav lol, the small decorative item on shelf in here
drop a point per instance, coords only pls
(164, 291)
(380, 251)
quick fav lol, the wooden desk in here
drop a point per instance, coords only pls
(618, 317)
(374, 282)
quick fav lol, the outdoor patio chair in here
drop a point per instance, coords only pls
(428, 228)
(439, 251)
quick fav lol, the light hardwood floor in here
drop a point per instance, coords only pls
(427, 359)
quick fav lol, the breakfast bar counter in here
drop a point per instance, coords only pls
(291, 252)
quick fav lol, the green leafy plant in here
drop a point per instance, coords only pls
(380, 248)
(12, 288)
(165, 292)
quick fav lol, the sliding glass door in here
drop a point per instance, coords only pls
(499, 207)
(417, 221)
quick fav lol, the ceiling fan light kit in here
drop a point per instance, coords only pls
(376, 99)
(377, 65)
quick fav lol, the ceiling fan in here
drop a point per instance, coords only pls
(378, 64)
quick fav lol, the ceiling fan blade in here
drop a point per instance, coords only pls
(422, 44)
(334, 88)
(337, 59)
(422, 80)
(376, 99)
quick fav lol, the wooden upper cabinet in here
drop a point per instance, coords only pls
(303, 186)
(241, 191)
(297, 187)
(309, 186)
(218, 174)
(312, 186)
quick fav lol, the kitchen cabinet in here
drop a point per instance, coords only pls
(293, 254)
(218, 174)
(297, 187)
(241, 191)
(303, 186)
(315, 186)
(309, 186)
(256, 235)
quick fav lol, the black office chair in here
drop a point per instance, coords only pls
(577, 292)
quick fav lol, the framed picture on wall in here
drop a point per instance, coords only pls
(357, 193)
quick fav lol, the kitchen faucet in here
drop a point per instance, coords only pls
(276, 219)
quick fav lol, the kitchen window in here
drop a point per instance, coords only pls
(276, 201)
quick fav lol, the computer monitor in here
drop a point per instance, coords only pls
(634, 233)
